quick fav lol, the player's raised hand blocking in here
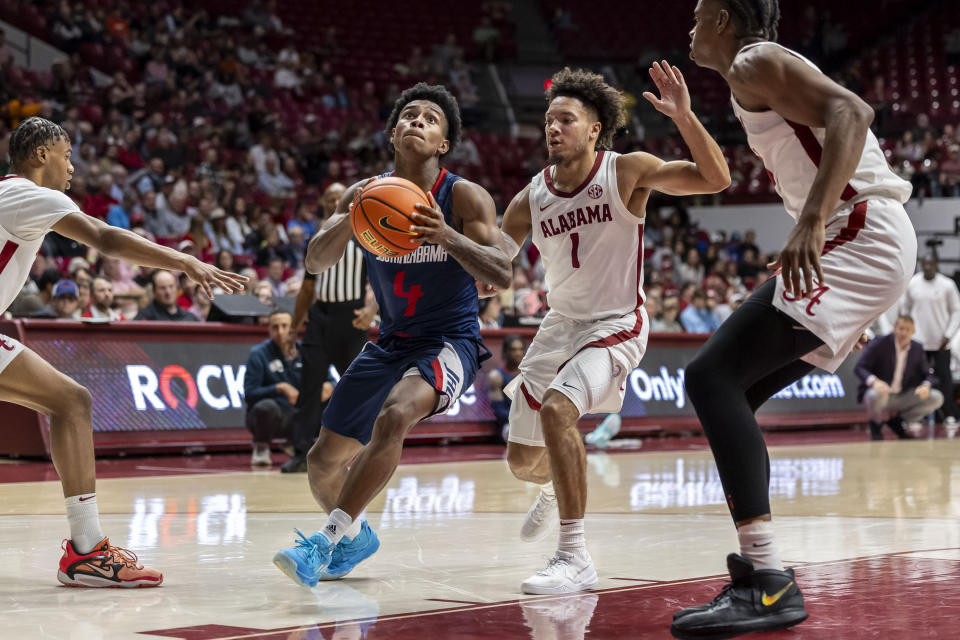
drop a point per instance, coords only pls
(674, 97)
(430, 223)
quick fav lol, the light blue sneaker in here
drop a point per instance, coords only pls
(604, 432)
(349, 553)
(304, 562)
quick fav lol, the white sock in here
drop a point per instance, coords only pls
(337, 525)
(354, 529)
(757, 545)
(572, 539)
(84, 519)
(548, 489)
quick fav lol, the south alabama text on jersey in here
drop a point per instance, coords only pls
(426, 253)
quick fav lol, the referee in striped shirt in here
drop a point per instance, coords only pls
(339, 310)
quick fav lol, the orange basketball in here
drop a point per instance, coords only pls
(381, 216)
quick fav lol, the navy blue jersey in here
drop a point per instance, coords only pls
(427, 292)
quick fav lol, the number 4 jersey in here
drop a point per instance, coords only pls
(590, 243)
(427, 292)
(27, 212)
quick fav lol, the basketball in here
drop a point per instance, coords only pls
(380, 217)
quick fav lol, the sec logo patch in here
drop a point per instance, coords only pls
(595, 191)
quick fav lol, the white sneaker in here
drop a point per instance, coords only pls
(565, 573)
(261, 456)
(950, 421)
(542, 518)
(915, 428)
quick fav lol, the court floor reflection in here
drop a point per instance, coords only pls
(864, 522)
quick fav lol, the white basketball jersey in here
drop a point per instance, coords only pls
(791, 154)
(27, 211)
(590, 243)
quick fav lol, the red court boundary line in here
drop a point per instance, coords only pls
(509, 603)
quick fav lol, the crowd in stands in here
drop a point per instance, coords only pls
(216, 134)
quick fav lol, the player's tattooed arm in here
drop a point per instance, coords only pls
(327, 245)
(479, 249)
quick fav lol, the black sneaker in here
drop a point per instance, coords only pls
(296, 464)
(754, 600)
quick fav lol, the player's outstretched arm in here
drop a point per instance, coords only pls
(708, 173)
(327, 245)
(479, 249)
(120, 243)
(770, 77)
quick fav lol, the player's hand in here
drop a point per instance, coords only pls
(363, 317)
(289, 391)
(674, 97)
(800, 258)
(208, 276)
(430, 226)
(858, 346)
(485, 290)
(923, 391)
(943, 344)
(881, 387)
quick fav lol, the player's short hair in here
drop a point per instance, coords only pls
(906, 318)
(594, 92)
(440, 96)
(32, 133)
(756, 18)
(275, 311)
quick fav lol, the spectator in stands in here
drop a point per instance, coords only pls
(153, 178)
(896, 378)
(513, 351)
(253, 281)
(216, 229)
(274, 182)
(273, 247)
(81, 275)
(667, 321)
(697, 318)
(487, 37)
(691, 269)
(274, 279)
(933, 300)
(164, 306)
(306, 218)
(297, 246)
(122, 214)
(101, 301)
(64, 302)
(66, 28)
(950, 173)
(490, 312)
(271, 387)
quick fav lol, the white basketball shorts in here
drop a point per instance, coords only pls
(869, 257)
(9, 349)
(588, 361)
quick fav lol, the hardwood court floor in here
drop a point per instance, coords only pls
(872, 529)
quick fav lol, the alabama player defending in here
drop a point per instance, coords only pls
(31, 203)
(586, 213)
(429, 347)
(848, 259)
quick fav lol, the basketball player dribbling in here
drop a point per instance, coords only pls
(847, 260)
(429, 347)
(586, 213)
(32, 202)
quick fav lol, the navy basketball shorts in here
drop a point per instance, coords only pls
(449, 365)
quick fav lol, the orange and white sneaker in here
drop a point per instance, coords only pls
(105, 566)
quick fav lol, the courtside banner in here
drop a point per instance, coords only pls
(142, 385)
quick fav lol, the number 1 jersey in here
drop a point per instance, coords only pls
(590, 244)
